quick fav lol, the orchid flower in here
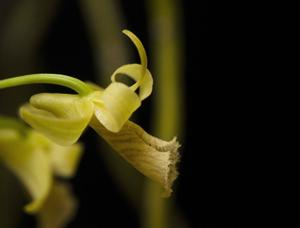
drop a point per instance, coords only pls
(35, 160)
(63, 117)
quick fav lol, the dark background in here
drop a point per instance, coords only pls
(214, 188)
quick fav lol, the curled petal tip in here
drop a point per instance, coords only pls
(140, 48)
(143, 82)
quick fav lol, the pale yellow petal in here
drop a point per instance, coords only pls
(60, 117)
(118, 104)
(59, 208)
(29, 164)
(8, 136)
(137, 72)
(12, 124)
(63, 159)
(153, 157)
(118, 101)
(139, 46)
(32, 167)
(145, 82)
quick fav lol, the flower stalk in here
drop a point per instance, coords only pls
(57, 79)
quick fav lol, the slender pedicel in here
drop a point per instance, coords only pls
(56, 79)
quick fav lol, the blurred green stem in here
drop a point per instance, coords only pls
(105, 23)
(56, 79)
(166, 36)
(23, 33)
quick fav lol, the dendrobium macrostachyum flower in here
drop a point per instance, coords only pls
(35, 160)
(63, 117)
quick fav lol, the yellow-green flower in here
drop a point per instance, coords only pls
(35, 160)
(63, 117)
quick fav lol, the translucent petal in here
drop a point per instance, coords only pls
(137, 72)
(59, 207)
(153, 157)
(63, 159)
(31, 166)
(60, 117)
(139, 46)
(8, 136)
(134, 72)
(12, 124)
(118, 104)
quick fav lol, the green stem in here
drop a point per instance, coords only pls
(56, 79)
(104, 19)
(165, 22)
